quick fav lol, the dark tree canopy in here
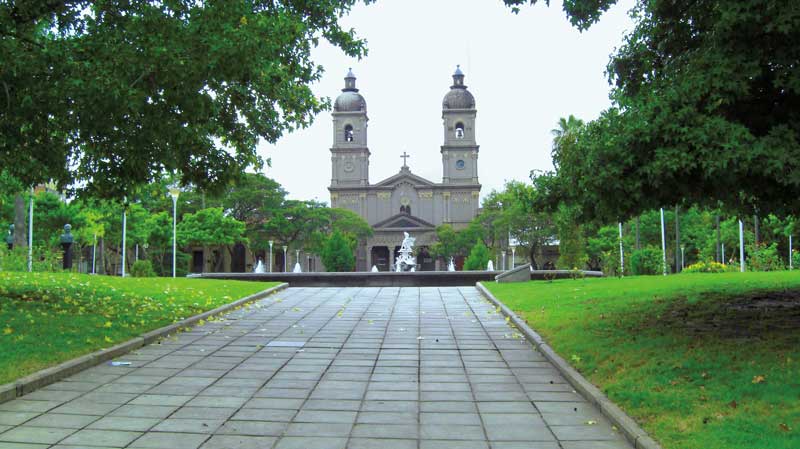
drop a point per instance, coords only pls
(706, 110)
(110, 94)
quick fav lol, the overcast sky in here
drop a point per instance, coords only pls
(525, 72)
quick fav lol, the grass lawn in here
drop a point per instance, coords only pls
(701, 361)
(48, 318)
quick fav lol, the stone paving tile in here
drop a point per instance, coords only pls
(381, 368)
(106, 438)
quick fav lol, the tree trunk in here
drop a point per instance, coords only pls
(755, 220)
(100, 259)
(532, 255)
(20, 222)
(638, 246)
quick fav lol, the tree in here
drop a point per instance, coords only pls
(211, 227)
(113, 94)
(295, 223)
(478, 257)
(706, 106)
(337, 256)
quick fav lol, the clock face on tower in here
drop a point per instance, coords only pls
(460, 164)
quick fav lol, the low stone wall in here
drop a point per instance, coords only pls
(384, 279)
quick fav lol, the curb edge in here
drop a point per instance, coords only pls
(635, 435)
(47, 376)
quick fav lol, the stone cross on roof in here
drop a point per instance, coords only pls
(405, 156)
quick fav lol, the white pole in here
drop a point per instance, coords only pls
(683, 261)
(663, 244)
(30, 234)
(504, 261)
(270, 256)
(621, 254)
(513, 256)
(723, 254)
(124, 231)
(284, 258)
(741, 246)
(790, 252)
(94, 252)
(174, 231)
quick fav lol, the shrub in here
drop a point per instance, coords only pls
(478, 257)
(708, 267)
(142, 269)
(609, 262)
(764, 258)
(648, 260)
(336, 254)
(44, 259)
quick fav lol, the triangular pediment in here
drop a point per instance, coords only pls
(403, 221)
(404, 176)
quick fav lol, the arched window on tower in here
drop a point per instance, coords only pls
(348, 133)
(459, 130)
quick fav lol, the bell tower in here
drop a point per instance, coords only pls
(460, 150)
(349, 153)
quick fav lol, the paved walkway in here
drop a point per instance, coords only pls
(417, 368)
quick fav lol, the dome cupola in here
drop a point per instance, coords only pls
(458, 97)
(350, 100)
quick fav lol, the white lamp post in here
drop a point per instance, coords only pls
(621, 253)
(284, 258)
(30, 234)
(723, 254)
(683, 260)
(174, 192)
(124, 230)
(504, 261)
(270, 255)
(513, 256)
(741, 246)
(94, 251)
(790, 252)
(663, 244)
(297, 257)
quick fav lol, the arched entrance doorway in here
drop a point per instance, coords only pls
(425, 261)
(239, 259)
(380, 258)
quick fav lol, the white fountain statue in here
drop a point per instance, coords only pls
(406, 262)
(451, 266)
(374, 269)
(490, 266)
(297, 268)
(259, 268)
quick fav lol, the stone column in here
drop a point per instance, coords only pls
(369, 258)
(391, 258)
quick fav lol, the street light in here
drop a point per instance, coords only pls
(513, 256)
(30, 234)
(270, 255)
(683, 264)
(284, 258)
(174, 192)
(124, 230)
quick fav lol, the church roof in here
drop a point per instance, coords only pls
(404, 222)
(405, 174)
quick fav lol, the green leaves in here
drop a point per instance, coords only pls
(115, 94)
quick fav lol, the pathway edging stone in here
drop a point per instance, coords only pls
(635, 434)
(47, 376)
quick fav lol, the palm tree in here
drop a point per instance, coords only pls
(566, 127)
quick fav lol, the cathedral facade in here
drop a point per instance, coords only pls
(405, 202)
